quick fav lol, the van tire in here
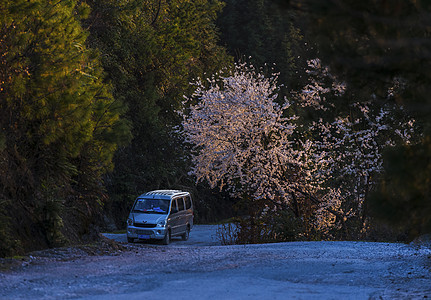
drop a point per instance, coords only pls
(186, 234)
(130, 240)
(167, 238)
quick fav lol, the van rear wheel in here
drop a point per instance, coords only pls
(186, 234)
(167, 238)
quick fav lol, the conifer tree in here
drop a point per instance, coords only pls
(257, 30)
(60, 123)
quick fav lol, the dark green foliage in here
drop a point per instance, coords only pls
(404, 198)
(60, 123)
(151, 51)
(260, 221)
(271, 227)
(375, 42)
(259, 31)
(8, 243)
(275, 226)
(50, 210)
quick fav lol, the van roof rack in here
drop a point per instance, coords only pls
(166, 193)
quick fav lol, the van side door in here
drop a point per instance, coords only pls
(182, 220)
(189, 210)
(173, 217)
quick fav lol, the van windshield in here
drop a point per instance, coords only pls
(151, 206)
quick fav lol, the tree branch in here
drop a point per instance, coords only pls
(157, 13)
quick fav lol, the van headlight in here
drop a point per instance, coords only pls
(161, 223)
(129, 222)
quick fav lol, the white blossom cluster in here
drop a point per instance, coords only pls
(313, 94)
(344, 156)
(243, 140)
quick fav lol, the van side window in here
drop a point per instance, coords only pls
(188, 202)
(174, 206)
(180, 202)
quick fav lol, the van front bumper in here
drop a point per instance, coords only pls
(157, 233)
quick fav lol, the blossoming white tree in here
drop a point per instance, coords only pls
(242, 137)
(249, 144)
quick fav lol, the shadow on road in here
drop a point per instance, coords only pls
(200, 235)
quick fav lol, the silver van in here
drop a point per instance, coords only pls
(160, 215)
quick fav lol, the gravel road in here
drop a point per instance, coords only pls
(202, 269)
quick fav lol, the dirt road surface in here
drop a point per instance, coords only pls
(202, 269)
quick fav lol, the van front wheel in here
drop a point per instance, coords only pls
(167, 238)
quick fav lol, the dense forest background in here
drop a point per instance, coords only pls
(89, 93)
